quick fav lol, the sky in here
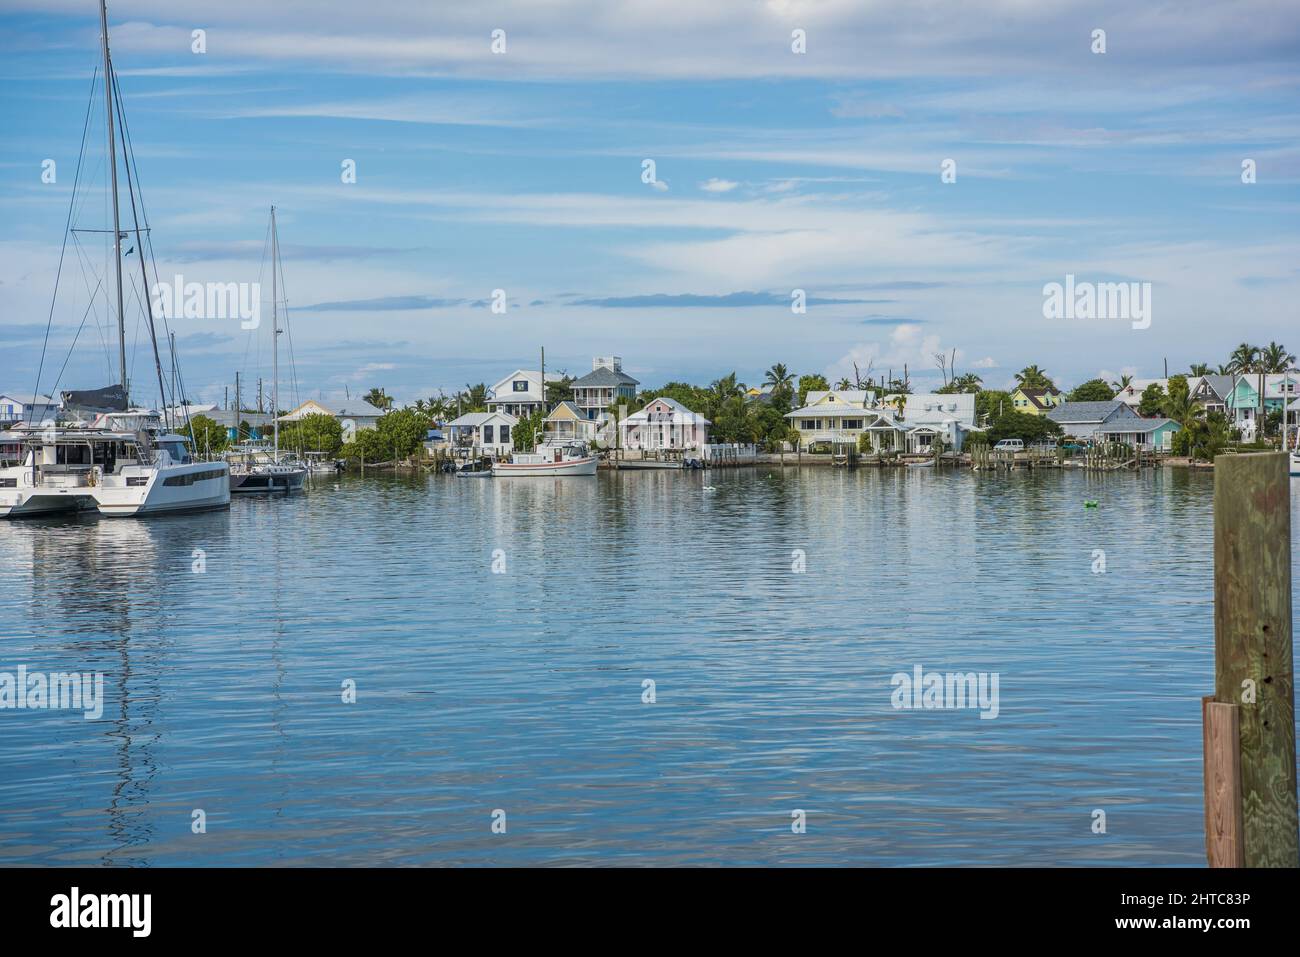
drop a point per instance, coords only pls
(524, 171)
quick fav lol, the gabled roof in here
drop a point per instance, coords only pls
(1088, 411)
(1135, 425)
(1220, 385)
(567, 406)
(603, 378)
(341, 409)
(475, 419)
(857, 397)
(1036, 396)
(828, 408)
(687, 416)
(27, 398)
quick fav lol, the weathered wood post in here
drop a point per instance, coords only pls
(1253, 670)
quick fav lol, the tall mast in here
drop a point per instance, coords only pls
(117, 229)
(275, 335)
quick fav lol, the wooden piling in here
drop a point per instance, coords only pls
(1221, 730)
(1253, 647)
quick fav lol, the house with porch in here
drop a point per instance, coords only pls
(1148, 434)
(1082, 419)
(519, 393)
(28, 407)
(567, 423)
(896, 423)
(1131, 394)
(837, 416)
(602, 387)
(490, 432)
(664, 424)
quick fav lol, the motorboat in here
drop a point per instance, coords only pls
(559, 459)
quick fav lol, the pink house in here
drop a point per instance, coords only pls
(664, 424)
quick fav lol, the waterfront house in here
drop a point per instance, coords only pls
(836, 416)
(664, 424)
(26, 407)
(605, 385)
(520, 393)
(1035, 401)
(1082, 419)
(489, 431)
(902, 423)
(567, 423)
(352, 414)
(1149, 434)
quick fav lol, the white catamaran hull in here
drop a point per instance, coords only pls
(194, 487)
(585, 466)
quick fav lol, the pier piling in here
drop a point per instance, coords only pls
(1253, 670)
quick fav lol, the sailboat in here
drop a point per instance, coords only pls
(267, 470)
(114, 458)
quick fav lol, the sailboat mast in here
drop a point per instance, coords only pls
(275, 334)
(117, 228)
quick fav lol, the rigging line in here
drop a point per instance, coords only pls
(147, 304)
(88, 267)
(293, 365)
(253, 339)
(40, 369)
(77, 335)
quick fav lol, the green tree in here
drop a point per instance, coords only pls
(1021, 425)
(811, 383)
(209, 435)
(1032, 377)
(1094, 390)
(378, 398)
(780, 381)
(967, 382)
(693, 397)
(1244, 358)
(473, 398)
(1153, 399)
(991, 403)
(313, 433)
(1274, 358)
(1201, 368)
(559, 390)
(527, 430)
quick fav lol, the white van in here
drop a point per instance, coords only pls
(1010, 445)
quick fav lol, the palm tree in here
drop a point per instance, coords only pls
(779, 377)
(1274, 358)
(1245, 358)
(1122, 384)
(968, 382)
(1032, 377)
(1199, 369)
(378, 398)
(844, 383)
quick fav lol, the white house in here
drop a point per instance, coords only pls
(519, 393)
(1131, 395)
(489, 431)
(833, 416)
(664, 424)
(353, 414)
(26, 407)
(901, 423)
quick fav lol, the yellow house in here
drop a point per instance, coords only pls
(566, 423)
(1035, 401)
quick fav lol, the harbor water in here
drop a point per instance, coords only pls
(634, 668)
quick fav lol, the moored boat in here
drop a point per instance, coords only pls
(549, 460)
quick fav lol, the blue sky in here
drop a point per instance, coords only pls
(522, 171)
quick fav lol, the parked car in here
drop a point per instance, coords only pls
(1010, 445)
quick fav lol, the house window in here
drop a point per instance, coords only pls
(504, 434)
(520, 385)
(487, 435)
(852, 423)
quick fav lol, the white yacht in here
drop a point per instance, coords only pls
(564, 458)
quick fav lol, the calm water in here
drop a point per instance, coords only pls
(522, 691)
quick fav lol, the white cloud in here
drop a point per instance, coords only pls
(715, 185)
(988, 362)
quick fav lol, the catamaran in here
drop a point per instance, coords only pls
(561, 458)
(124, 460)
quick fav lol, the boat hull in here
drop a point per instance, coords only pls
(585, 466)
(267, 483)
(193, 487)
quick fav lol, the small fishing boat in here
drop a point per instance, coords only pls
(318, 463)
(928, 463)
(257, 469)
(549, 460)
(475, 468)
